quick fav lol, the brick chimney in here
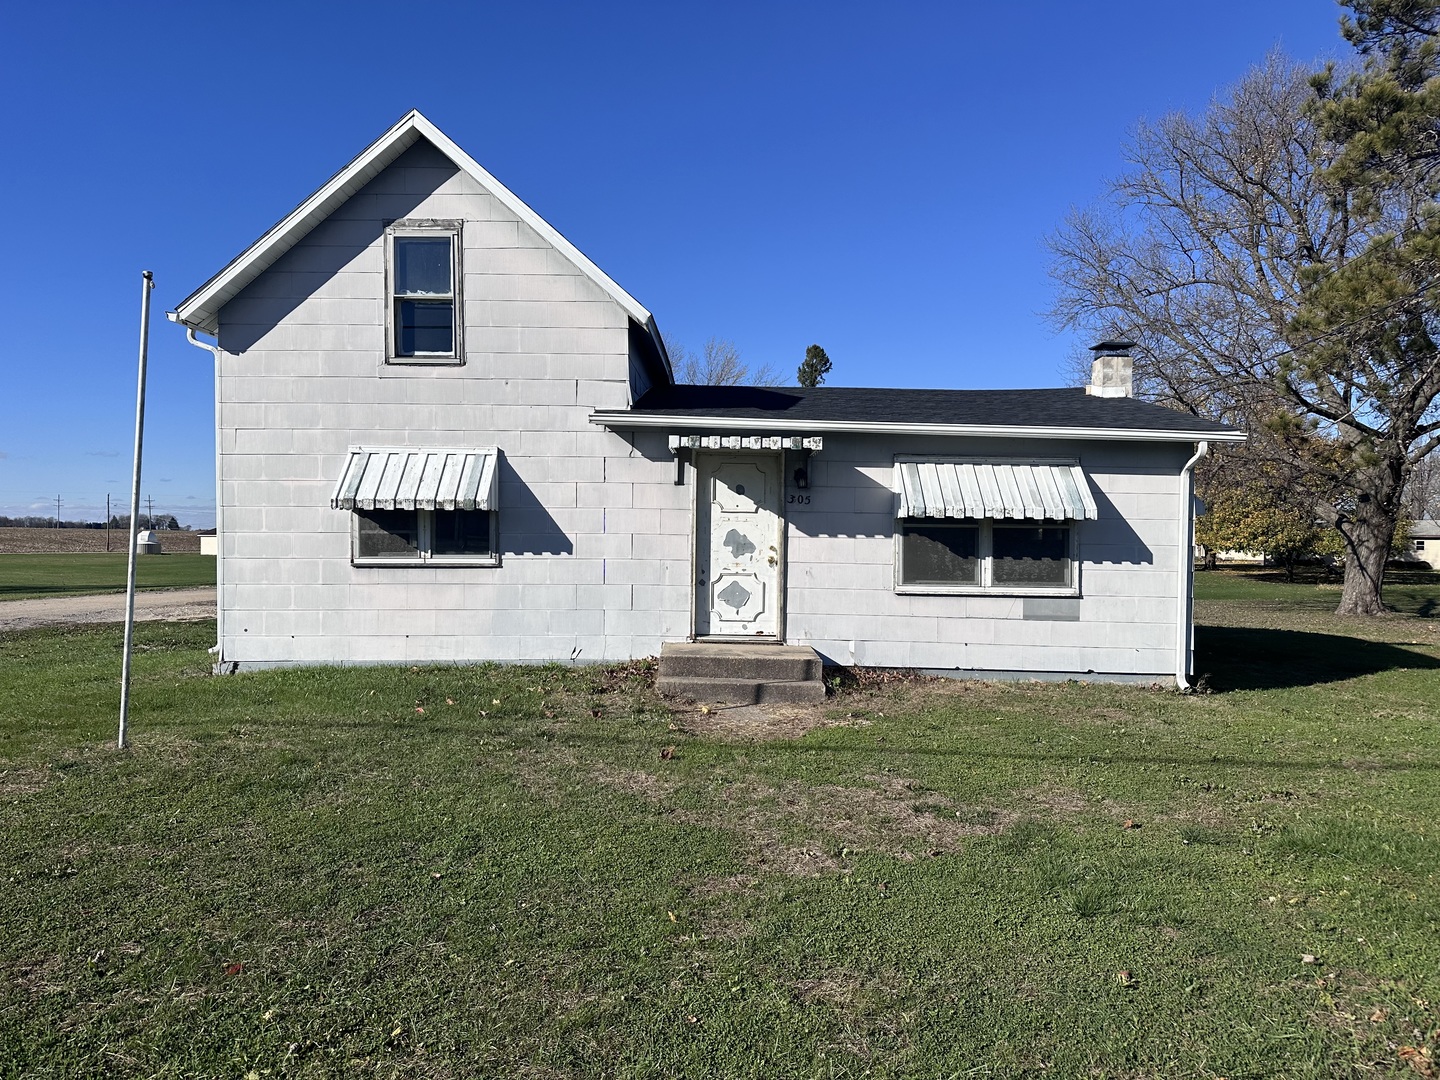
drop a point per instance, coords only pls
(1112, 372)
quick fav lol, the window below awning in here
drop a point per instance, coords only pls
(995, 490)
(404, 478)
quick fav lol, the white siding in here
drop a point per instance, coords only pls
(594, 534)
(841, 557)
(302, 378)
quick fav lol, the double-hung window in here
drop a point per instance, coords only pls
(421, 507)
(423, 274)
(989, 526)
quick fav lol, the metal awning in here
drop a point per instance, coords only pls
(1001, 490)
(404, 478)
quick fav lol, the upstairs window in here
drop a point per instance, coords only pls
(425, 314)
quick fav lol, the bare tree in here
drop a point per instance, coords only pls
(717, 364)
(1214, 253)
(1422, 491)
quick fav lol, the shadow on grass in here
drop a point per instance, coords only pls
(1246, 658)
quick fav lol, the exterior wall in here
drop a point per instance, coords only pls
(594, 534)
(1425, 549)
(590, 540)
(841, 567)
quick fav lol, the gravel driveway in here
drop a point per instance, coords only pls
(153, 604)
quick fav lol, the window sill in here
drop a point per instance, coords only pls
(424, 361)
(978, 590)
(446, 561)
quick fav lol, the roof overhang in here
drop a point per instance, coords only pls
(625, 420)
(201, 309)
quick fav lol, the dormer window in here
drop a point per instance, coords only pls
(423, 274)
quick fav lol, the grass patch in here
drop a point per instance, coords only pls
(543, 872)
(31, 577)
(1408, 590)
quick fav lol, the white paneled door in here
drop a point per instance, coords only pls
(737, 536)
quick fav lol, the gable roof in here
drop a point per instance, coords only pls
(201, 309)
(1066, 412)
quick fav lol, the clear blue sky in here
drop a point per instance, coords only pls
(875, 178)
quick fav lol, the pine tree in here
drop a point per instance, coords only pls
(814, 368)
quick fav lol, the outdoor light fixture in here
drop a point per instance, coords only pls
(802, 478)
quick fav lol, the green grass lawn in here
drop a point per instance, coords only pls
(545, 873)
(29, 577)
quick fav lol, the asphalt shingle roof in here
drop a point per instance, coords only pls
(1068, 407)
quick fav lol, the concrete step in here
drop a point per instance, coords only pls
(723, 691)
(740, 673)
(737, 660)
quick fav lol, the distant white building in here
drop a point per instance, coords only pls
(444, 434)
(1424, 543)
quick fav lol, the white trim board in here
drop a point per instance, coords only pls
(626, 421)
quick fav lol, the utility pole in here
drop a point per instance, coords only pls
(57, 511)
(107, 521)
(150, 510)
(149, 283)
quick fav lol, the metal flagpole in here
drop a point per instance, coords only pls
(135, 507)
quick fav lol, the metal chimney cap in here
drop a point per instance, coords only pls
(1112, 348)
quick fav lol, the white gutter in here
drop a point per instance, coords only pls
(627, 421)
(1184, 617)
(219, 650)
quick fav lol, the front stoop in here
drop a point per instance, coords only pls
(741, 674)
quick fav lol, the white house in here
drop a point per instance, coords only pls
(1425, 543)
(444, 434)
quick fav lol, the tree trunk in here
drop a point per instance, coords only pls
(1367, 543)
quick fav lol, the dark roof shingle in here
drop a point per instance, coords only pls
(1067, 407)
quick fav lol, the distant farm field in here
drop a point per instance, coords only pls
(52, 541)
(31, 577)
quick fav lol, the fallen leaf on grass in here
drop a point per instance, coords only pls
(1418, 1058)
(1130, 823)
(666, 753)
(234, 969)
(1125, 978)
(449, 701)
(1308, 958)
(672, 916)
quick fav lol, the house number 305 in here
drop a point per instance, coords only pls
(798, 500)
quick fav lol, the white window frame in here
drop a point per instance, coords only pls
(425, 542)
(425, 228)
(986, 553)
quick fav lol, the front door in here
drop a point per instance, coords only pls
(737, 540)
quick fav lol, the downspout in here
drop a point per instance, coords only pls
(218, 650)
(1184, 618)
